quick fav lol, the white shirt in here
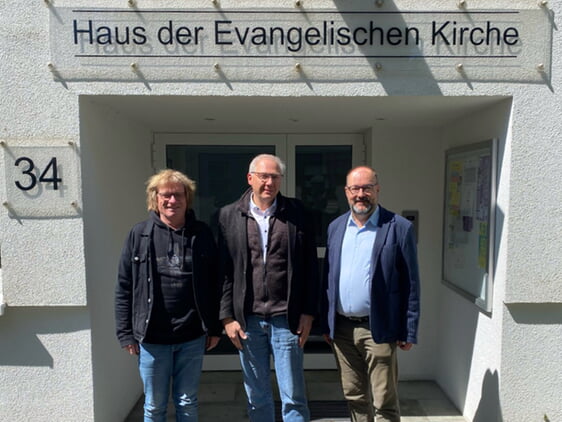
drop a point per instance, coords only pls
(262, 218)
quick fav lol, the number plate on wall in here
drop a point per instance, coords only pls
(41, 181)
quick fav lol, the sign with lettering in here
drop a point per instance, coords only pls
(41, 181)
(327, 44)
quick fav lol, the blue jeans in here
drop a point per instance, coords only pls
(265, 337)
(180, 363)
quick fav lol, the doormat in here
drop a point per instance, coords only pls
(320, 410)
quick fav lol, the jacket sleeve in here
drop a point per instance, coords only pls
(324, 303)
(225, 273)
(412, 280)
(212, 322)
(311, 274)
(124, 296)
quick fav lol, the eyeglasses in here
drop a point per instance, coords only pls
(168, 195)
(368, 189)
(264, 177)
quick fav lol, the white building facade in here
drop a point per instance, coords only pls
(96, 97)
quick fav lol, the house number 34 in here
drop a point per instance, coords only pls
(30, 171)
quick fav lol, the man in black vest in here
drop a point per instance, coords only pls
(268, 267)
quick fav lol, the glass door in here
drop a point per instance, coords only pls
(320, 163)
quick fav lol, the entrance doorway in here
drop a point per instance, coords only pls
(316, 168)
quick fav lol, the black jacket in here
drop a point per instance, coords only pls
(134, 291)
(303, 289)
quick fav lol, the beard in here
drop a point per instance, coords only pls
(367, 207)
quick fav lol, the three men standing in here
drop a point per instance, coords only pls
(167, 298)
(371, 302)
(268, 267)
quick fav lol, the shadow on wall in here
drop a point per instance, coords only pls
(392, 82)
(536, 313)
(21, 330)
(489, 409)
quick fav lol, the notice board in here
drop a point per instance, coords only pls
(469, 219)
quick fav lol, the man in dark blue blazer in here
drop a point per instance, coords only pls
(371, 299)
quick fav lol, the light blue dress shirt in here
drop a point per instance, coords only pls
(262, 218)
(354, 296)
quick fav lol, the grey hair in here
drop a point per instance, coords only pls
(280, 164)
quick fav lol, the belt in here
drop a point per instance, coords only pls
(355, 319)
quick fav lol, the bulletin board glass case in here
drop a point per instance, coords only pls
(469, 221)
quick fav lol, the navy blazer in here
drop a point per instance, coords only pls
(395, 286)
